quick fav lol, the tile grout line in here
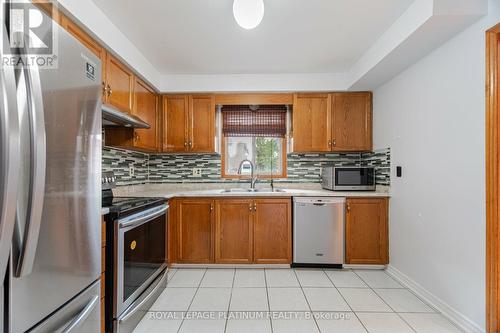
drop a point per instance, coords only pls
(403, 288)
(230, 299)
(383, 300)
(435, 311)
(307, 301)
(194, 296)
(173, 274)
(268, 302)
(349, 305)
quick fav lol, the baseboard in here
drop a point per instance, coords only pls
(230, 266)
(446, 310)
(358, 266)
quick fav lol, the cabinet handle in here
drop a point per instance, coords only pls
(329, 143)
(185, 144)
(348, 208)
(136, 137)
(334, 142)
(254, 207)
(190, 144)
(211, 207)
(108, 89)
(105, 88)
(250, 207)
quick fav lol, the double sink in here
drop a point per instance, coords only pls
(249, 190)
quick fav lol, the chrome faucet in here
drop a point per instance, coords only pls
(253, 179)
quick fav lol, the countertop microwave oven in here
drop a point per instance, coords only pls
(348, 178)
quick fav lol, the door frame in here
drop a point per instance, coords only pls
(492, 178)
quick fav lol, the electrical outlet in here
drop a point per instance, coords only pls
(196, 172)
(131, 170)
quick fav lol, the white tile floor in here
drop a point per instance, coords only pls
(288, 301)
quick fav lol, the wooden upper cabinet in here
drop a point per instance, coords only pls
(272, 231)
(189, 123)
(352, 121)
(332, 122)
(119, 84)
(175, 119)
(366, 231)
(83, 37)
(201, 123)
(146, 108)
(234, 231)
(312, 123)
(195, 230)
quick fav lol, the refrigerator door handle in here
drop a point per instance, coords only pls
(9, 159)
(37, 172)
(82, 316)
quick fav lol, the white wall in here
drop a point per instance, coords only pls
(100, 27)
(433, 117)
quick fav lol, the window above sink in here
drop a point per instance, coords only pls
(255, 133)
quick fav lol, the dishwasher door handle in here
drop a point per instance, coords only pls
(319, 204)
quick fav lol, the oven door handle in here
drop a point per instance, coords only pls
(135, 307)
(138, 219)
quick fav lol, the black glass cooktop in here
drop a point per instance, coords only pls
(122, 205)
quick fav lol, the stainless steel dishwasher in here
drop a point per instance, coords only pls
(318, 232)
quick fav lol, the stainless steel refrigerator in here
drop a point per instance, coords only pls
(50, 192)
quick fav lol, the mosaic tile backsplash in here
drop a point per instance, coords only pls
(130, 168)
(177, 168)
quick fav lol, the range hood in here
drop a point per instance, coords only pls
(114, 117)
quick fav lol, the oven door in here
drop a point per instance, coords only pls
(140, 254)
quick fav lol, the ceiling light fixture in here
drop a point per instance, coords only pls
(248, 13)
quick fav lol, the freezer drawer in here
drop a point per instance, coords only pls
(318, 237)
(80, 315)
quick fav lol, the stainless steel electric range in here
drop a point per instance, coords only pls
(136, 256)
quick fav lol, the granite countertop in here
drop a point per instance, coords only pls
(169, 191)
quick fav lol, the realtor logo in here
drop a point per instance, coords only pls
(31, 35)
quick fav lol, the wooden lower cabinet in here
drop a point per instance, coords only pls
(230, 231)
(103, 271)
(195, 223)
(234, 231)
(366, 231)
(272, 231)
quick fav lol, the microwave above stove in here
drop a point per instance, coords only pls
(348, 178)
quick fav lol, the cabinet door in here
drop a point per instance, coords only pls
(90, 43)
(352, 121)
(233, 231)
(272, 231)
(175, 118)
(201, 123)
(120, 84)
(173, 230)
(146, 108)
(311, 123)
(195, 228)
(83, 37)
(367, 231)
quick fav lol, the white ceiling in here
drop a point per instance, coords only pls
(295, 36)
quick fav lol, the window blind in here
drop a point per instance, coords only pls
(260, 121)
